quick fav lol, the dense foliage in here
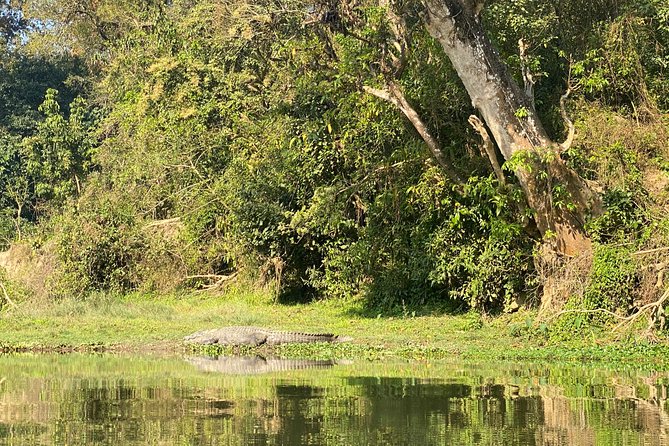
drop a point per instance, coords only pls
(223, 137)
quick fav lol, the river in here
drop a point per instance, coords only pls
(78, 399)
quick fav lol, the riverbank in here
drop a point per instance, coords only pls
(143, 323)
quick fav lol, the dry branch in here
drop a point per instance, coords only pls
(219, 280)
(4, 291)
(596, 310)
(392, 92)
(650, 251)
(654, 309)
(568, 122)
(528, 77)
(166, 222)
(488, 146)
(207, 276)
(395, 96)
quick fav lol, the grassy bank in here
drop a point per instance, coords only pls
(149, 323)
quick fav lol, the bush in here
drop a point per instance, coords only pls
(614, 279)
(624, 218)
(98, 248)
(424, 243)
(613, 285)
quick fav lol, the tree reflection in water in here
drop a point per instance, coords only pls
(115, 400)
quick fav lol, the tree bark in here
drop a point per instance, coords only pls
(559, 198)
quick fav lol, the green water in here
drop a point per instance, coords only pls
(128, 400)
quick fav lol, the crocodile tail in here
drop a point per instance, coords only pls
(342, 339)
(288, 337)
(320, 337)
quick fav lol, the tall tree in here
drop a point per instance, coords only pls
(560, 199)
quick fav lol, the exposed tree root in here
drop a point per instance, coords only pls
(596, 310)
(654, 310)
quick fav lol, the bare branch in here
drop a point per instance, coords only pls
(488, 146)
(528, 77)
(4, 291)
(208, 276)
(595, 311)
(571, 130)
(395, 96)
(650, 251)
(166, 222)
(655, 310)
(219, 280)
(566, 145)
(399, 29)
(393, 93)
(381, 94)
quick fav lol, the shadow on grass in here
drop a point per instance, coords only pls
(403, 304)
(375, 304)
(371, 310)
(297, 295)
(380, 299)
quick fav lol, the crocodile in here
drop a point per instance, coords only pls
(256, 336)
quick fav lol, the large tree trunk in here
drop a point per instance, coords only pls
(559, 198)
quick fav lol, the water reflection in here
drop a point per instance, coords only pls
(79, 400)
(251, 365)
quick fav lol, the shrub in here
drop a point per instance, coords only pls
(98, 248)
(613, 279)
(424, 243)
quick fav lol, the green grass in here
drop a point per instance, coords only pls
(146, 322)
(137, 320)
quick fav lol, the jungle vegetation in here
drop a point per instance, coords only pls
(409, 153)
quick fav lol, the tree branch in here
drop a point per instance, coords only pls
(398, 27)
(566, 145)
(571, 130)
(528, 77)
(395, 96)
(4, 291)
(381, 94)
(596, 310)
(650, 251)
(656, 310)
(219, 280)
(488, 146)
(209, 276)
(165, 222)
